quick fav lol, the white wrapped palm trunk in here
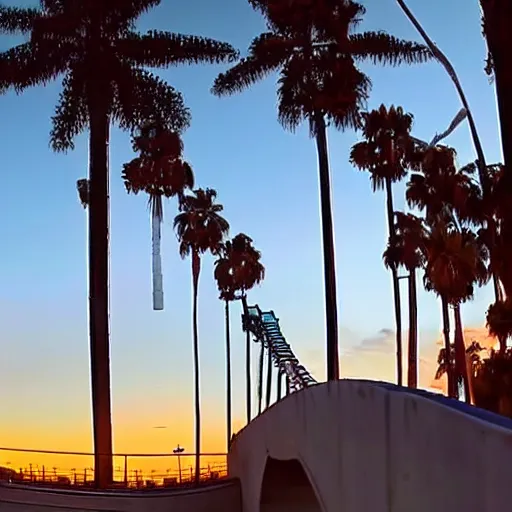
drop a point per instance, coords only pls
(156, 225)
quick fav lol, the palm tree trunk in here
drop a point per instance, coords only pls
(441, 57)
(269, 378)
(331, 308)
(396, 284)
(99, 288)
(287, 386)
(196, 268)
(279, 384)
(460, 354)
(260, 377)
(228, 376)
(247, 362)
(499, 38)
(412, 367)
(447, 347)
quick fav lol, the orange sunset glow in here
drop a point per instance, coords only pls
(134, 425)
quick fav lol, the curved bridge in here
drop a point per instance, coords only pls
(363, 446)
(356, 446)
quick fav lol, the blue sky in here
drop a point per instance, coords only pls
(267, 180)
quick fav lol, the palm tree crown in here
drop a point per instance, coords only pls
(314, 49)
(159, 170)
(386, 147)
(94, 45)
(199, 225)
(238, 267)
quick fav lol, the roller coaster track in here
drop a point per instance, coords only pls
(264, 326)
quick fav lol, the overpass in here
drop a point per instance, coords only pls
(343, 446)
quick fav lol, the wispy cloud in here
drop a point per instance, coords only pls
(374, 357)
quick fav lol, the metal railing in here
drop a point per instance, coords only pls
(131, 470)
(264, 326)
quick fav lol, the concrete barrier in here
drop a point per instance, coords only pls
(366, 447)
(223, 497)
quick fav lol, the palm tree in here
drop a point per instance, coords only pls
(160, 171)
(199, 228)
(406, 249)
(224, 276)
(496, 29)
(493, 25)
(237, 270)
(103, 59)
(450, 70)
(495, 236)
(455, 263)
(384, 153)
(438, 188)
(313, 47)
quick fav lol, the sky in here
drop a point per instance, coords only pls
(267, 180)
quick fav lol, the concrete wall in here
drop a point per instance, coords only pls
(370, 448)
(215, 498)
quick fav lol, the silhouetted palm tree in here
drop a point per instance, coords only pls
(200, 228)
(450, 70)
(455, 263)
(159, 171)
(440, 189)
(238, 270)
(496, 29)
(406, 249)
(449, 198)
(384, 153)
(103, 59)
(314, 49)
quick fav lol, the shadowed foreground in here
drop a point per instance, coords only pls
(223, 497)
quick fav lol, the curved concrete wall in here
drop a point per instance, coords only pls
(368, 447)
(215, 498)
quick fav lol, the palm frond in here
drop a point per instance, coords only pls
(162, 49)
(17, 19)
(382, 48)
(143, 96)
(27, 65)
(267, 53)
(71, 114)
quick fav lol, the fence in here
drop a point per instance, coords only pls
(131, 470)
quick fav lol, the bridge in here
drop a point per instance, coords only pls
(342, 446)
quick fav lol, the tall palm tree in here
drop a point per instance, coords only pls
(496, 29)
(159, 171)
(316, 52)
(496, 32)
(494, 235)
(439, 188)
(406, 249)
(450, 70)
(384, 152)
(455, 263)
(237, 270)
(448, 197)
(199, 228)
(103, 60)
(224, 276)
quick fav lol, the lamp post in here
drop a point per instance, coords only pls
(178, 451)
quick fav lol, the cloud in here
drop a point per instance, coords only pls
(374, 357)
(381, 342)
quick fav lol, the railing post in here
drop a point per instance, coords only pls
(126, 470)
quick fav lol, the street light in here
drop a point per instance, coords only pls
(178, 451)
